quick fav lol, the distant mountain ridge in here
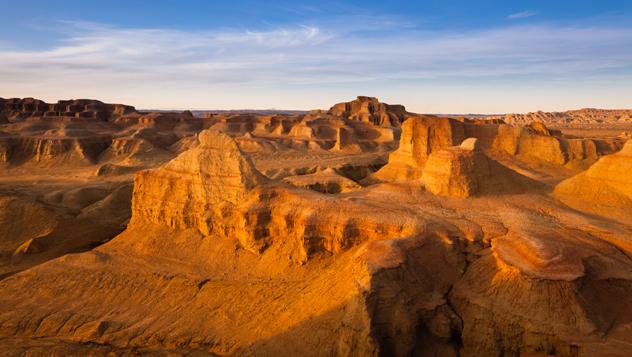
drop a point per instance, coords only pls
(579, 116)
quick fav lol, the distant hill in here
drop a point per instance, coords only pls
(580, 116)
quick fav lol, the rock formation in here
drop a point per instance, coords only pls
(420, 136)
(18, 109)
(169, 240)
(370, 110)
(183, 192)
(456, 171)
(534, 144)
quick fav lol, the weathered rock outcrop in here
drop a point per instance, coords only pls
(371, 110)
(534, 145)
(219, 260)
(456, 171)
(420, 136)
(186, 191)
(465, 170)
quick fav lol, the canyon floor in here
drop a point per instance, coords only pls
(360, 230)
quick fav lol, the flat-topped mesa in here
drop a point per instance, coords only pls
(607, 183)
(21, 108)
(187, 191)
(371, 110)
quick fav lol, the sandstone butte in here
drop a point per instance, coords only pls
(362, 230)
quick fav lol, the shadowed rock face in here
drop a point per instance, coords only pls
(370, 110)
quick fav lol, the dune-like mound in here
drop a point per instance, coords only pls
(605, 185)
(183, 192)
(371, 110)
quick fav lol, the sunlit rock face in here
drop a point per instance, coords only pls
(605, 186)
(183, 192)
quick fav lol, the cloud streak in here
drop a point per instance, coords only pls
(95, 57)
(522, 15)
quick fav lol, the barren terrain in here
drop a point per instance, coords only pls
(360, 230)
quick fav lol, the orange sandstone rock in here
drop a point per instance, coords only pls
(420, 136)
(606, 184)
(456, 171)
(183, 192)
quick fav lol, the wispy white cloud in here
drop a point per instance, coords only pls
(522, 15)
(96, 58)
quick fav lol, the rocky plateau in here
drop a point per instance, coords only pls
(362, 230)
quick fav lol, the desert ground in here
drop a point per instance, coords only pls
(359, 230)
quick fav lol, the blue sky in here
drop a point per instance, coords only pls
(486, 56)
